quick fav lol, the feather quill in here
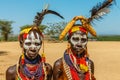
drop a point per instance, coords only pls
(100, 9)
(39, 17)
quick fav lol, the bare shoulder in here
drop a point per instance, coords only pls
(48, 66)
(58, 70)
(58, 62)
(58, 66)
(11, 72)
(11, 69)
(49, 71)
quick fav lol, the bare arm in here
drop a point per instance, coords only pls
(11, 73)
(57, 70)
(49, 71)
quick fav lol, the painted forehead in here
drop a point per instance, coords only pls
(79, 33)
(34, 35)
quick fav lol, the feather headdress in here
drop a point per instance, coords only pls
(38, 19)
(96, 13)
(100, 9)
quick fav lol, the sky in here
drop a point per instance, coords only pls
(22, 12)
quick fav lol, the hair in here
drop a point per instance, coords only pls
(22, 36)
(69, 35)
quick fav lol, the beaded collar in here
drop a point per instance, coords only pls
(35, 72)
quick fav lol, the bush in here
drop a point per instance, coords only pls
(107, 38)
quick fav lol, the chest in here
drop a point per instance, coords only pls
(30, 73)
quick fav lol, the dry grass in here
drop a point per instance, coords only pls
(104, 54)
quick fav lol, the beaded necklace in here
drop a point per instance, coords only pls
(77, 69)
(36, 72)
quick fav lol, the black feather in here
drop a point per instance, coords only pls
(100, 9)
(39, 17)
(55, 13)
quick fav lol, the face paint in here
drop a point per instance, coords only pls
(32, 44)
(78, 41)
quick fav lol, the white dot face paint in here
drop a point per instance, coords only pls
(32, 44)
(78, 41)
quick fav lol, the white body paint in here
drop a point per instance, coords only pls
(32, 44)
(78, 40)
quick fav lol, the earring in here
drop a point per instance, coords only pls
(86, 53)
(68, 46)
(43, 54)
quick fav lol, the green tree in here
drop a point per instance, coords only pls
(54, 29)
(5, 28)
(41, 27)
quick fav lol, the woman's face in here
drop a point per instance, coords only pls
(78, 41)
(32, 44)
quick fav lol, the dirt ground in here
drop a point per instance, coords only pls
(106, 57)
